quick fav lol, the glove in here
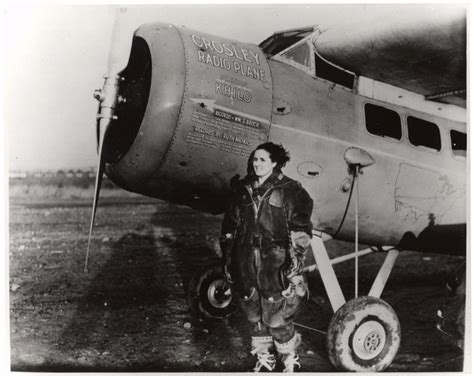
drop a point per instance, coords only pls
(294, 265)
(301, 241)
(296, 286)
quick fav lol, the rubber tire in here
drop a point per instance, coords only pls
(370, 312)
(198, 294)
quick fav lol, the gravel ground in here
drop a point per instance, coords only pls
(130, 311)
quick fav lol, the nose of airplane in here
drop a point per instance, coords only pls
(182, 127)
(148, 106)
(132, 100)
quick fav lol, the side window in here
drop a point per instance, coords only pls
(423, 133)
(300, 54)
(332, 73)
(382, 122)
(458, 143)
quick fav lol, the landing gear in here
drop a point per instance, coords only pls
(209, 294)
(364, 335)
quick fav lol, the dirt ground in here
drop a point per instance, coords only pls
(130, 311)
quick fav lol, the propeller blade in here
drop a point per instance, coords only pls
(117, 60)
(120, 45)
(102, 130)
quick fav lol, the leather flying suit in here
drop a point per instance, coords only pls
(266, 224)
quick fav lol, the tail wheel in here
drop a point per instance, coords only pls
(364, 335)
(210, 295)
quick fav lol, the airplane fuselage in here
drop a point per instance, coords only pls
(408, 188)
(202, 103)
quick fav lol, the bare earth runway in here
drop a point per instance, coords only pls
(130, 312)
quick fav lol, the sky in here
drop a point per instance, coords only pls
(57, 55)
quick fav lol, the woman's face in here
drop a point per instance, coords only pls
(262, 163)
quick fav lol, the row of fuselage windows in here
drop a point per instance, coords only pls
(383, 122)
(380, 121)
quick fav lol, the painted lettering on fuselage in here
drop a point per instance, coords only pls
(226, 49)
(229, 57)
(233, 91)
(238, 119)
(224, 131)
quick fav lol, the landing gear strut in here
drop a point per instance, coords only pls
(364, 333)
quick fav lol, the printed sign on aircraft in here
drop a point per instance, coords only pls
(228, 96)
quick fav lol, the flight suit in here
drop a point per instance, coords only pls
(269, 228)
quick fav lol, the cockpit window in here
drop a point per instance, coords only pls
(281, 41)
(300, 54)
(458, 143)
(333, 73)
(297, 48)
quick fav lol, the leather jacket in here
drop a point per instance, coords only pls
(261, 221)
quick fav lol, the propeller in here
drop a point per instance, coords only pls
(108, 98)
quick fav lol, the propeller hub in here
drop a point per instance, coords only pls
(99, 95)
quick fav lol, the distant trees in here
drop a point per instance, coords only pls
(83, 178)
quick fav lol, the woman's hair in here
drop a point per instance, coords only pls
(277, 153)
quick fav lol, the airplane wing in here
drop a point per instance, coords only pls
(421, 49)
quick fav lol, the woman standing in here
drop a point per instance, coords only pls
(266, 232)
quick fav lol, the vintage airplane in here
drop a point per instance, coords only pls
(375, 120)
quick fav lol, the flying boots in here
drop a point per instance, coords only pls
(288, 353)
(262, 347)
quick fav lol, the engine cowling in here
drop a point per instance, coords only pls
(190, 110)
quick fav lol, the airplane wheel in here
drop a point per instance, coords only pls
(364, 335)
(210, 295)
